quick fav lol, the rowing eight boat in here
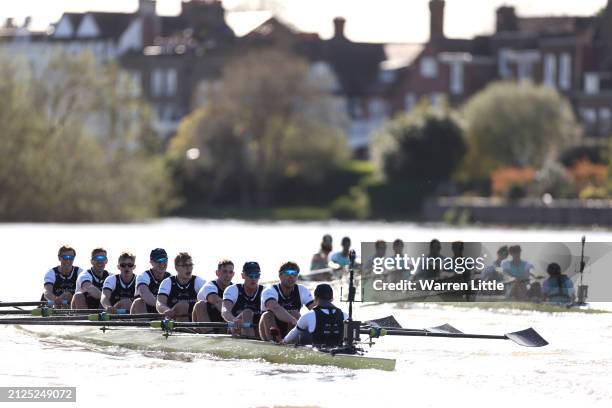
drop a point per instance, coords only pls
(221, 346)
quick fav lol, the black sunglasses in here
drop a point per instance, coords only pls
(126, 265)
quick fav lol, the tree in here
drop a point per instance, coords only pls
(425, 147)
(266, 119)
(76, 144)
(511, 125)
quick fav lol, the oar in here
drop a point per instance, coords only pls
(15, 312)
(44, 311)
(528, 337)
(99, 317)
(390, 323)
(15, 304)
(105, 317)
(170, 324)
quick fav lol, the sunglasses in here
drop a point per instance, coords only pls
(126, 265)
(252, 275)
(291, 272)
(67, 257)
(99, 258)
(186, 265)
(161, 260)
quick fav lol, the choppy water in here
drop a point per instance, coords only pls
(575, 369)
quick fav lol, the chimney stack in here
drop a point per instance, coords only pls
(506, 20)
(339, 23)
(436, 19)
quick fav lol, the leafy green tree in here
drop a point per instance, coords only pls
(511, 124)
(266, 119)
(425, 146)
(76, 144)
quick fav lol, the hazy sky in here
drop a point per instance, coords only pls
(372, 20)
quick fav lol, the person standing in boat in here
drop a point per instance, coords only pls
(558, 287)
(89, 283)
(119, 290)
(210, 297)
(281, 303)
(321, 326)
(341, 258)
(320, 260)
(60, 282)
(178, 294)
(147, 283)
(520, 270)
(242, 301)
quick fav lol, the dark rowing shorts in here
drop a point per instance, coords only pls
(92, 302)
(150, 309)
(283, 327)
(213, 313)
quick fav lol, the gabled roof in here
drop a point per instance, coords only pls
(111, 25)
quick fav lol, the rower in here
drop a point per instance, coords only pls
(242, 301)
(147, 283)
(60, 281)
(210, 297)
(118, 291)
(281, 304)
(178, 294)
(342, 258)
(321, 326)
(89, 283)
(320, 260)
(558, 287)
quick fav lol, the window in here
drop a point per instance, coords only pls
(164, 82)
(409, 102)
(429, 67)
(565, 71)
(591, 83)
(504, 64)
(377, 108)
(550, 70)
(157, 82)
(525, 70)
(605, 118)
(171, 81)
(456, 78)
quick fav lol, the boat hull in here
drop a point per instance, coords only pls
(220, 346)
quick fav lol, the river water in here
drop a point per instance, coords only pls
(575, 369)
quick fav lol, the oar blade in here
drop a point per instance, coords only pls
(388, 321)
(445, 328)
(528, 338)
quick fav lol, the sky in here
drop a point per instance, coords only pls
(370, 21)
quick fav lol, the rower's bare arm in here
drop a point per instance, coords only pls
(146, 295)
(280, 312)
(162, 304)
(105, 299)
(91, 290)
(49, 292)
(226, 311)
(215, 300)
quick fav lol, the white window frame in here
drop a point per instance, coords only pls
(591, 83)
(550, 70)
(429, 67)
(171, 82)
(565, 71)
(157, 82)
(456, 78)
